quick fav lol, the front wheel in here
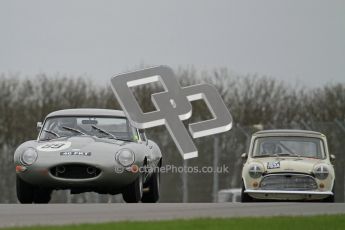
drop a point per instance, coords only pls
(28, 194)
(152, 195)
(134, 192)
(244, 196)
(42, 195)
(330, 199)
(25, 191)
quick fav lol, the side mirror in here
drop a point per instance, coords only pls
(143, 136)
(332, 158)
(39, 126)
(244, 156)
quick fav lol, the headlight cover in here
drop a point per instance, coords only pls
(255, 171)
(321, 172)
(29, 156)
(125, 157)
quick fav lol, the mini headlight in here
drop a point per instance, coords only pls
(321, 172)
(29, 156)
(255, 171)
(125, 157)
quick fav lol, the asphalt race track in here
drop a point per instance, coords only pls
(57, 214)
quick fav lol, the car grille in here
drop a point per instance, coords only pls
(288, 182)
(75, 171)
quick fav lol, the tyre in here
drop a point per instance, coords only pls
(25, 191)
(42, 195)
(244, 196)
(152, 195)
(134, 192)
(330, 199)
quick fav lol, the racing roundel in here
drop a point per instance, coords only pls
(54, 146)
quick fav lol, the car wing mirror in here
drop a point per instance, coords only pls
(39, 126)
(143, 135)
(244, 156)
(141, 131)
(332, 157)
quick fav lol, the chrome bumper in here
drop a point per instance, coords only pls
(253, 191)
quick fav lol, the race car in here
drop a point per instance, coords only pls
(288, 165)
(88, 150)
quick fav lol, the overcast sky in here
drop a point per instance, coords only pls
(301, 40)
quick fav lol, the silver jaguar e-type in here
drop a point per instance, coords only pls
(88, 150)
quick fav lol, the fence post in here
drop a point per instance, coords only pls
(342, 127)
(215, 171)
(246, 135)
(185, 182)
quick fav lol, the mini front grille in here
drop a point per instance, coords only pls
(75, 171)
(288, 182)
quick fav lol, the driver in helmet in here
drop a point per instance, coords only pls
(269, 148)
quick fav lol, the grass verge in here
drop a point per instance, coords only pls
(333, 222)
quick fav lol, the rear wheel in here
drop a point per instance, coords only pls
(152, 195)
(25, 191)
(244, 196)
(134, 192)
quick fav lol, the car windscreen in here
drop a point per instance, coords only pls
(289, 146)
(103, 127)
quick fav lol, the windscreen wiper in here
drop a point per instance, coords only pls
(267, 155)
(108, 133)
(73, 129)
(51, 132)
(103, 131)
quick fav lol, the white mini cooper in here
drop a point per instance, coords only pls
(288, 165)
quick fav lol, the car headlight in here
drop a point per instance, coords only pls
(125, 157)
(29, 156)
(321, 172)
(255, 171)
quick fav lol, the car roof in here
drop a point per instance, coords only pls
(87, 112)
(288, 132)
